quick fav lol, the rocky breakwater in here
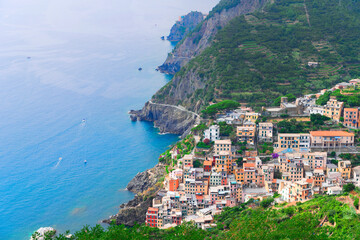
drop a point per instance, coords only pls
(168, 118)
(186, 24)
(198, 40)
(145, 185)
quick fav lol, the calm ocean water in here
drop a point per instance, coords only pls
(62, 61)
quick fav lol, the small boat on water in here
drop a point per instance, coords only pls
(162, 38)
(85, 162)
(140, 69)
(83, 120)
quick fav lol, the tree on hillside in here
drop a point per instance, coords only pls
(221, 106)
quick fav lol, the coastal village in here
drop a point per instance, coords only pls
(288, 153)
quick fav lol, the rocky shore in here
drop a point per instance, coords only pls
(145, 185)
(168, 118)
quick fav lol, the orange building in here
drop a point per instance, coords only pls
(351, 117)
(152, 217)
(173, 184)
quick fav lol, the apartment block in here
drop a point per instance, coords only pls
(246, 133)
(351, 117)
(266, 131)
(331, 139)
(222, 145)
(333, 109)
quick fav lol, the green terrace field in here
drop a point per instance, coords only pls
(263, 55)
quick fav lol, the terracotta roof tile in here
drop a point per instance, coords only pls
(331, 134)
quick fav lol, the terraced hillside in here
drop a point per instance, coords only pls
(260, 56)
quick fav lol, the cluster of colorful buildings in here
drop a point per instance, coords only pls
(226, 177)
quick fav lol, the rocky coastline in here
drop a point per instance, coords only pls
(167, 118)
(167, 115)
(145, 185)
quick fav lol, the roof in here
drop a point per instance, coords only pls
(207, 163)
(351, 109)
(153, 209)
(199, 197)
(331, 165)
(249, 165)
(226, 141)
(331, 134)
(309, 180)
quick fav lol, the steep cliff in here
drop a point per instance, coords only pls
(146, 185)
(168, 118)
(265, 54)
(184, 26)
(201, 37)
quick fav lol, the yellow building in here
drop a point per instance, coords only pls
(223, 162)
(246, 133)
(333, 109)
(251, 116)
(239, 175)
(345, 169)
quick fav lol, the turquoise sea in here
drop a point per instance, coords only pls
(62, 61)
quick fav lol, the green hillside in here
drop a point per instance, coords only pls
(260, 56)
(321, 218)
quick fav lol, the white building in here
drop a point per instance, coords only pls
(215, 178)
(213, 133)
(334, 190)
(266, 132)
(304, 142)
(316, 110)
(356, 174)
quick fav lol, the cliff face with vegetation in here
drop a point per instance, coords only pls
(261, 55)
(202, 36)
(145, 185)
(184, 26)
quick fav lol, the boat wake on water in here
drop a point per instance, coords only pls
(58, 163)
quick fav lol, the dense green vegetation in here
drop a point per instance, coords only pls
(199, 129)
(226, 129)
(183, 147)
(220, 107)
(223, 5)
(349, 100)
(266, 148)
(261, 56)
(323, 217)
(317, 122)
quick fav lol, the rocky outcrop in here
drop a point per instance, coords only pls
(194, 44)
(146, 185)
(43, 233)
(168, 118)
(184, 26)
(145, 180)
